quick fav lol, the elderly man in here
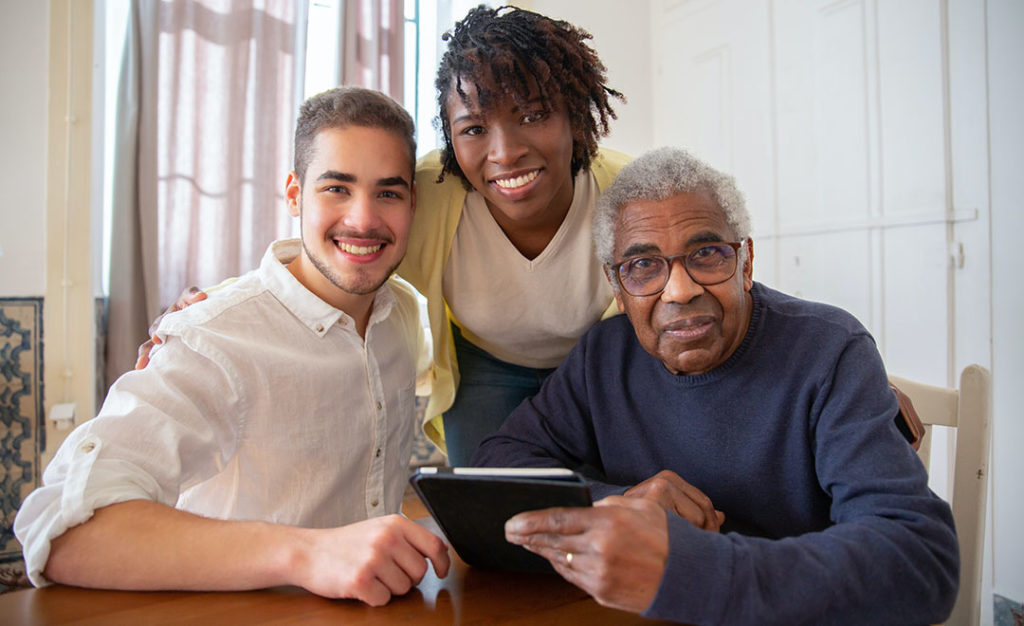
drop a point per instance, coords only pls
(716, 398)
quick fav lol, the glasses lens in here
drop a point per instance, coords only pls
(712, 264)
(644, 275)
(708, 265)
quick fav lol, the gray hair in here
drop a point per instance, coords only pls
(658, 175)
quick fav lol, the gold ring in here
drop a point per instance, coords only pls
(568, 558)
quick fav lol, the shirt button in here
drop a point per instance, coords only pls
(319, 328)
(374, 502)
(88, 447)
(379, 405)
(342, 321)
(377, 454)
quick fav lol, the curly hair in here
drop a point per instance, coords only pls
(512, 50)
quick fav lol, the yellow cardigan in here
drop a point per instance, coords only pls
(438, 208)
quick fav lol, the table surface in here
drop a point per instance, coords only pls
(466, 596)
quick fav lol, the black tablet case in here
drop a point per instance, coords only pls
(471, 511)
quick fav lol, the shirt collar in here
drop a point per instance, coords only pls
(316, 314)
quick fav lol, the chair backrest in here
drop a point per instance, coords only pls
(968, 410)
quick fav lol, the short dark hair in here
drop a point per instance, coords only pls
(517, 49)
(349, 106)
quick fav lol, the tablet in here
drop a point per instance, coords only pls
(471, 505)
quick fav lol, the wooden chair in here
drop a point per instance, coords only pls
(968, 410)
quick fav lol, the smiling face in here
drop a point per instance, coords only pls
(518, 159)
(356, 204)
(691, 328)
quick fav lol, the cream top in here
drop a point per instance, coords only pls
(523, 311)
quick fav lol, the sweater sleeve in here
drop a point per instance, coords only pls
(889, 557)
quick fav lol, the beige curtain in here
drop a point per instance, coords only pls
(128, 303)
(372, 45)
(208, 97)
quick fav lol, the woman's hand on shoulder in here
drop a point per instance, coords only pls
(187, 298)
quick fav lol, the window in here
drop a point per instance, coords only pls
(425, 22)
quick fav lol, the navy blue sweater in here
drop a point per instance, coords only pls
(828, 515)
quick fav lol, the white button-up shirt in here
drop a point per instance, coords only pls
(263, 403)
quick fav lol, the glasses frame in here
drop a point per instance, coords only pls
(616, 268)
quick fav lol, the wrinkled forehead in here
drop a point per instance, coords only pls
(671, 225)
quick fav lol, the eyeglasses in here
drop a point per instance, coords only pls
(708, 265)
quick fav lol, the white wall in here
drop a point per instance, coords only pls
(1006, 150)
(24, 62)
(625, 51)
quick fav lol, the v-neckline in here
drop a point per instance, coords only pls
(477, 203)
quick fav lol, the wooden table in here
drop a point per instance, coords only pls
(466, 596)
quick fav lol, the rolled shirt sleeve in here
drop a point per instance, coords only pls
(132, 450)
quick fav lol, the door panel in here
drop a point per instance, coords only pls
(712, 85)
(843, 162)
(915, 292)
(912, 108)
(829, 267)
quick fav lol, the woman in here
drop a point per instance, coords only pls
(501, 244)
(501, 241)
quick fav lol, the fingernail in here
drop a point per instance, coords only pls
(513, 526)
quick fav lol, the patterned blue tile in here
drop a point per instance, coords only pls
(1006, 612)
(22, 431)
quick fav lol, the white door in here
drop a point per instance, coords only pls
(849, 127)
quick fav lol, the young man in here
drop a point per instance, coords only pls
(267, 442)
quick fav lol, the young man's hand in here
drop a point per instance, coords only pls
(370, 561)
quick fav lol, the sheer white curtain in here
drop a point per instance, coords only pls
(372, 45)
(207, 105)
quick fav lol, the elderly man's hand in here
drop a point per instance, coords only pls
(675, 495)
(615, 551)
(187, 298)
